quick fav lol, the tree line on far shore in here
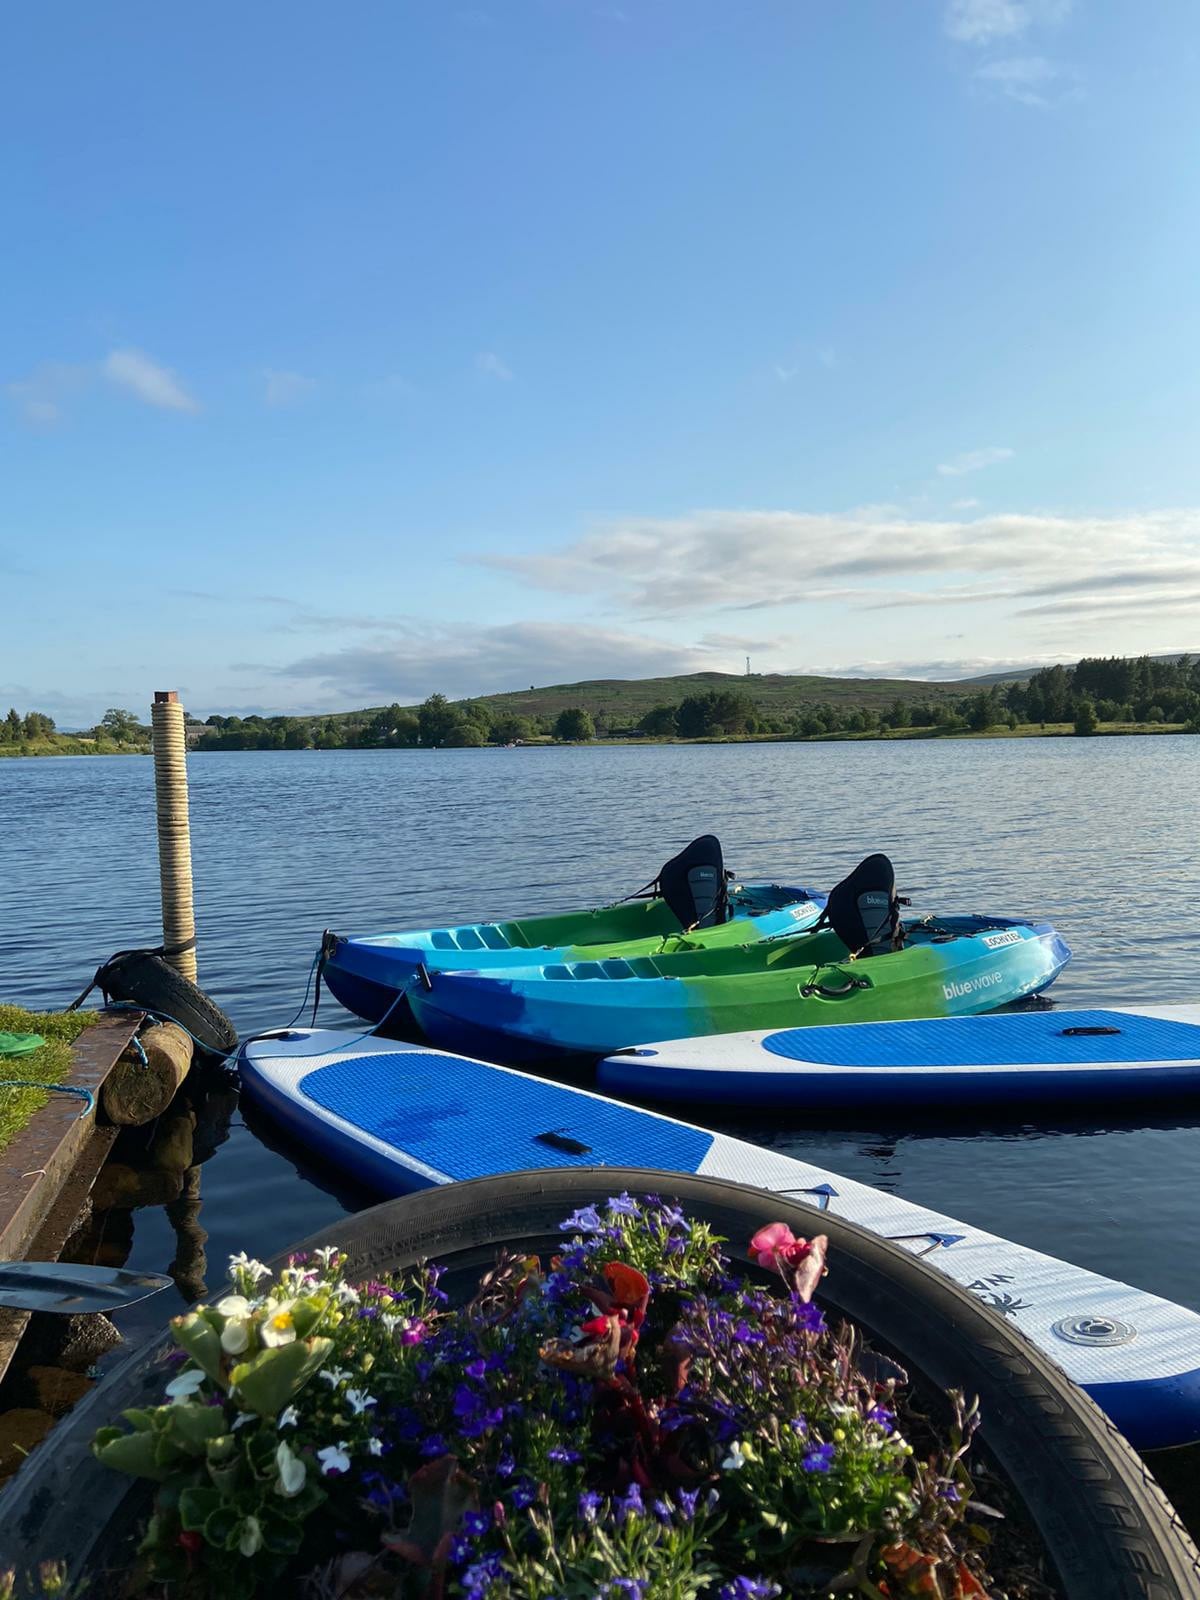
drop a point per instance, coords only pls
(1111, 690)
(116, 730)
(1120, 690)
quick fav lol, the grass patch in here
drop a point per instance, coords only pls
(50, 1064)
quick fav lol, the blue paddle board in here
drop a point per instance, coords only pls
(399, 1118)
(1019, 1059)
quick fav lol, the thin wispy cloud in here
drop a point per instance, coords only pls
(282, 389)
(489, 365)
(1030, 80)
(967, 504)
(975, 460)
(721, 561)
(147, 380)
(467, 661)
(985, 22)
(786, 374)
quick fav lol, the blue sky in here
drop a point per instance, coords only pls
(355, 353)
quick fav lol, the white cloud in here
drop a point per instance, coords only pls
(489, 364)
(151, 383)
(464, 661)
(983, 22)
(756, 560)
(974, 460)
(964, 505)
(286, 388)
(785, 374)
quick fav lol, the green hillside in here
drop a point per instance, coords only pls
(773, 692)
(1118, 692)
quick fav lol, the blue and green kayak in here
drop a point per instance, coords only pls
(954, 966)
(372, 974)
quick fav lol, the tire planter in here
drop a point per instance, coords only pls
(1110, 1532)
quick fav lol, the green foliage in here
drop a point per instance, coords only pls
(574, 724)
(509, 729)
(49, 1064)
(438, 721)
(121, 726)
(1086, 720)
(660, 722)
(719, 711)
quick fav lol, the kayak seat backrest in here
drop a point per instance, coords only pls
(863, 910)
(693, 884)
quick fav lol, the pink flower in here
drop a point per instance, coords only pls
(775, 1241)
(801, 1262)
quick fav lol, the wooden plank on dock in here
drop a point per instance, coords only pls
(38, 1164)
(57, 1227)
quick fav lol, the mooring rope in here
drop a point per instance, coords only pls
(54, 1088)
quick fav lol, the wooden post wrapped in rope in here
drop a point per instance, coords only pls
(174, 834)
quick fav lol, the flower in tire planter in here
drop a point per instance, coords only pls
(627, 1417)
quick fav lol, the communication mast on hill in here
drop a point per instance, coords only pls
(747, 666)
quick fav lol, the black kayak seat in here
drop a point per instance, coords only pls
(693, 884)
(863, 909)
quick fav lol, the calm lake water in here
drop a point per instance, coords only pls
(1099, 836)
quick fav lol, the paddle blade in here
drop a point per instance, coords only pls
(70, 1287)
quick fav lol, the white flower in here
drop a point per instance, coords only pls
(326, 1254)
(288, 1418)
(242, 1418)
(244, 1263)
(250, 1538)
(739, 1454)
(292, 1471)
(374, 1447)
(278, 1328)
(235, 1336)
(334, 1375)
(358, 1401)
(233, 1305)
(346, 1294)
(390, 1322)
(334, 1458)
(186, 1384)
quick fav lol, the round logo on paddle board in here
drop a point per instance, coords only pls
(1094, 1330)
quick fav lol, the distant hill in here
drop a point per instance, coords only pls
(774, 692)
(631, 698)
(760, 705)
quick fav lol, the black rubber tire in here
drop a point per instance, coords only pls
(1111, 1533)
(147, 980)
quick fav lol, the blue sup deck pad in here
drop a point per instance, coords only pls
(1017, 1039)
(467, 1120)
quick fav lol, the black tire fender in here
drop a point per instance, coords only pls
(143, 978)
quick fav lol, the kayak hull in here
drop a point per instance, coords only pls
(371, 975)
(970, 964)
(398, 1119)
(1019, 1060)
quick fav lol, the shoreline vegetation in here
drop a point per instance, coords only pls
(1110, 696)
